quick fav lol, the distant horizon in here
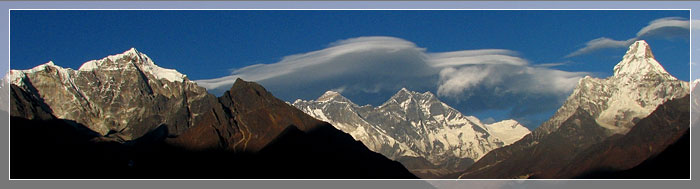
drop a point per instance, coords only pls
(495, 65)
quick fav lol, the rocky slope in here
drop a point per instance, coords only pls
(429, 137)
(126, 95)
(596, 110)
(134, 119)
(647, 139)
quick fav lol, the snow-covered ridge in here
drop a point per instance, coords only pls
(638, 86)
(130, 81)
(639, 61)
(509, 131)
(328, 96)
(412, 124)
(17, 76)
(138, 59)
(112, 62)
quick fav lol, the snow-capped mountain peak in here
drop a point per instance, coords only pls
(640, 49)
(404, 96)
(130, 80)
(332, 96)
(412, 124)
(638, 86)
(639, 63)
(17, 76)
(328, 95)
(129, 58)
(509, 131)
(403, 93)
(44, 66)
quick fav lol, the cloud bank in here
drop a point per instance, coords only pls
(668, 27)
(371, 69)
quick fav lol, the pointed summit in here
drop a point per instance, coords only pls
(134, 56)
(404, 92)
(640, 49)
(328, 95)
(509, 131)
(130, 58)
(44, 66)
(401, 96)
(639, 62)
(332, 96)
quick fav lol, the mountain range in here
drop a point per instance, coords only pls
(641, 105)
(125, 117)
(426, 135)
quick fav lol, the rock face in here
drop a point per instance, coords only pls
(124, 94)
(638, 86)
(647, 139)
(248, 119)
(137, 120)
(597, 109)
(429, 137)
(284, 139)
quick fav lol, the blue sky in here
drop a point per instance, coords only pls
(384, 50)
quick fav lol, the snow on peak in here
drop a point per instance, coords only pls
(142, 61)
(694, 84)
(405, 92)
(639, 61)
(640, 49)
(328, 95)
(38, 68)
(298, 101)
(43, 67)
(404, 95)
(509, 131)
(401, 97)
(505, 123)
(16, 76)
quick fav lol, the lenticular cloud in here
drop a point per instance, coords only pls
(668, 27)
(379, 66)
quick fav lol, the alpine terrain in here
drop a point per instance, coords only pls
(632, 111)
(125, 117)
(125, 95)
(426, 135)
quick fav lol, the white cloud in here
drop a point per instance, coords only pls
(553, 64)
(453, 82)
(364, 59)
(663, 27)
(663, 24)
(373, 68)
(474, 57)
(505, 80)
(601, 43)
